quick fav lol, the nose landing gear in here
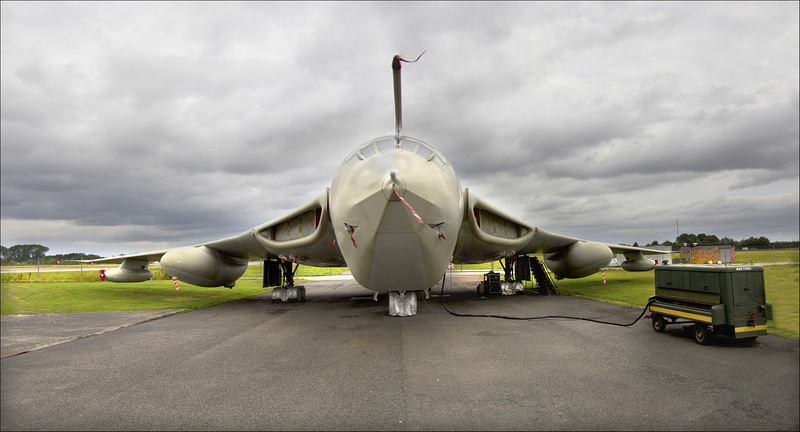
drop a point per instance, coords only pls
(402, 303)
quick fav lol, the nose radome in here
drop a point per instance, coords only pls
(391, 182)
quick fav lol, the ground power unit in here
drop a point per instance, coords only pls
(725, 300)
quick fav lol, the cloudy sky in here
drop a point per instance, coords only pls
(129, 127)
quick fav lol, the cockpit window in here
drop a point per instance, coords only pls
(377, 146)
(424, 151)
(385, 145)
(368, 151)
(408, 145)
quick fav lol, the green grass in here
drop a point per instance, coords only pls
(257, 271)
(67, 276)
(767, 256)
(64, 276)
(62, 297)
(254, 271)
(635, 288)
(783, 291)
(75, 291)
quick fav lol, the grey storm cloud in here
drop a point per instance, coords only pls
(137, 126)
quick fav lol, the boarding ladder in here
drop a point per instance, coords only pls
(543, 278)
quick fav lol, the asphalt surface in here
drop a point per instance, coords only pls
(338, 361)
(23, 333)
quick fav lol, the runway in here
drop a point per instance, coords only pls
(338, 361)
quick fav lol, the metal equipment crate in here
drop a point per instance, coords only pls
(490, 284)
(728, 300)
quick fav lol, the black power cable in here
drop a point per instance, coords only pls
(441, 292)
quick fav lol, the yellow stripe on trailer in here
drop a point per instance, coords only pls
(688, 315)
(750, 328)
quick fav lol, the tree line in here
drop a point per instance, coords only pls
(30, 253)
(688, 239)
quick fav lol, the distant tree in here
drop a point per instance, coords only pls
(752, 242)
(30, 252)
(674, 246)
(688, 239)
(654, 243)
(74, 256)
(727, 241)
(635, 244)
(22, 253)
(786, 244)
(709, 239)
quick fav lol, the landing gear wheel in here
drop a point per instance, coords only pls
(701, 334)
(659, 325)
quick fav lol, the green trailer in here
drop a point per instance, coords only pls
(727, 300)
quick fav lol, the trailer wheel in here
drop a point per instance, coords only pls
(659, 324)
(701, 334)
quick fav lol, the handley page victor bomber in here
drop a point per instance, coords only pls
(396, 215)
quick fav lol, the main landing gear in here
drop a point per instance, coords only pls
(281, 273)
(289, 294)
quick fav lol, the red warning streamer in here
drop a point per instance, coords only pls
(350, 230)
(408, 205)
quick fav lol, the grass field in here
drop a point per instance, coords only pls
(254, 271)
(767, 256)
(61, 297)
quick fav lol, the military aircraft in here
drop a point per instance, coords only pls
(396, 215)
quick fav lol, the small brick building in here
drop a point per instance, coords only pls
(702, 254)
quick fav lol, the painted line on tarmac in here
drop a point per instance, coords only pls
(71, 338)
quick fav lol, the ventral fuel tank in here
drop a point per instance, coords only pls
(203, 266)
(131, 270)
(580, 259)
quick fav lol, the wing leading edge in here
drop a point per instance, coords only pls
(488, 233)
(303, 236)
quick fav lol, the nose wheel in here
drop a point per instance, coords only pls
(402, 303)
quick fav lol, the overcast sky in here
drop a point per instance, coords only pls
(129, 127)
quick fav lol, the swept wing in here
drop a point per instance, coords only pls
(489, 233)
(302, 236)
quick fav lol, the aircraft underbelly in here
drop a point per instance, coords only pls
(397, 264)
